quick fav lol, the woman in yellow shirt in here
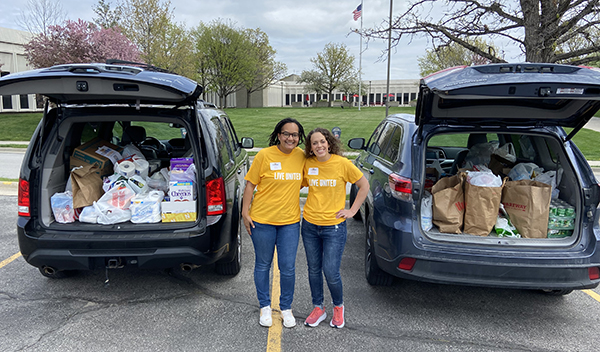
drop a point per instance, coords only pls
(324, 233)
(274, 219)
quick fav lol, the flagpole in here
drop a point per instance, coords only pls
(387, 102)
(360, 57)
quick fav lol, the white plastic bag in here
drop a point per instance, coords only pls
(119, 196)
(484, 179)
(89, 214)
(507, 152)
(188, 175)
(426, 211)
(524, 171)
(480, 154)
(108, 215)
(62, 207)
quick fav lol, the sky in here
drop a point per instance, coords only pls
(297, 30)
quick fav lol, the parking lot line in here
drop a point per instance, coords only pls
(593, 294)
(274, 338)
(7, 261)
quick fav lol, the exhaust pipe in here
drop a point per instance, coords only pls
(187, 267)
(48, 270)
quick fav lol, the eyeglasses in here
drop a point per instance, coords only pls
(287, 134)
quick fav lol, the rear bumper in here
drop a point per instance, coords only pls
(501, 267)
(90, 251)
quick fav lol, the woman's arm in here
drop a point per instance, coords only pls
(363, 190)
(246, 200)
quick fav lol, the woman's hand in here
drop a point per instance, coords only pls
(246, 201)
(345, 213)
(248, 224)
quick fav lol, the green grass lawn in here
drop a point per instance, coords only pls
(258, 123)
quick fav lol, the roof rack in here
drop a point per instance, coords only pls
(145, 66)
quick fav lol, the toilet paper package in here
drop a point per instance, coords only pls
(145, 207)
(126, 168)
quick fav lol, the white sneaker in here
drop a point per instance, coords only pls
(288, 318)
(265, 316)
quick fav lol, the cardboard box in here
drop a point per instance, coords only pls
(181, 191)
(86, 154)
(178, 211)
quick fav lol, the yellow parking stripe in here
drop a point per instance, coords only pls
(274, 338)
(593, 294)
(7, 261)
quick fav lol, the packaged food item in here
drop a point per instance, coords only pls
(561, 220)
(145, 207)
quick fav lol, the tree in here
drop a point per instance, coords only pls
(107, 17)
(332, 66)
(41, 14)
(224, 57)
(540, 28)
(452, 55)
(265, 70)
(76, 42)
(350, 87)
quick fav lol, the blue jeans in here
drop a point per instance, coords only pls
(265, 238)
(324, 246)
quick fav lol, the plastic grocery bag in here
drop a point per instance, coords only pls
(189, 175)
(426, 212)
(524, 171)
(145, 207)
(480, 154)
(108, 215)
(503, 227)
(89, 214)
(62, 207)
(119, 196)
(551, 178)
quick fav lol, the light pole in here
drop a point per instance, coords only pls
(281, 93)
(369, 97)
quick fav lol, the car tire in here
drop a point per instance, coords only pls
(373, 273)
(52, 273)
(232, 266)
(352, 197)
(557, 292)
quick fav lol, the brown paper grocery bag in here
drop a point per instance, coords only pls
(449, 203)
(527, 203)
(87, 185)
(481, 208)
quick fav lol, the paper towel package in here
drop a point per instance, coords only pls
(145, 207)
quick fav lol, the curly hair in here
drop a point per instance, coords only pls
(335, 146)
(273, 140)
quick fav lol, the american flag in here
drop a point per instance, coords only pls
(357, 12)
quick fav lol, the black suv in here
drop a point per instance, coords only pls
(506, 121)
(159, 113)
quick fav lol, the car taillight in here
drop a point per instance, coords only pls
(401, 187)
(594, 273)
(215, 197)
(407, 263)
(23, 199)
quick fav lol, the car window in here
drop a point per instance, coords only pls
(385, 138)
(374, 146)
(233, 141)
(222, 143)
(393, 147)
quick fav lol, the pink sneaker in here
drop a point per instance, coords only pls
(315, 317)
(338, 317)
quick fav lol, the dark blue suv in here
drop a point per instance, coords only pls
(519, 108)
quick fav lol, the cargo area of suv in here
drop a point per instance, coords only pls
(511, 156)
(128, 167)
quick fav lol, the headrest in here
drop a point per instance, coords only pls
(134, 134)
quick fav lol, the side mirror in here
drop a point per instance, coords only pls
(247, 143)
(356, 143)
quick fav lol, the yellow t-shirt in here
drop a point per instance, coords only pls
(326, 183)
(278, 179)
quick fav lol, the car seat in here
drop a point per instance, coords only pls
(136, 135)
(459, 160)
